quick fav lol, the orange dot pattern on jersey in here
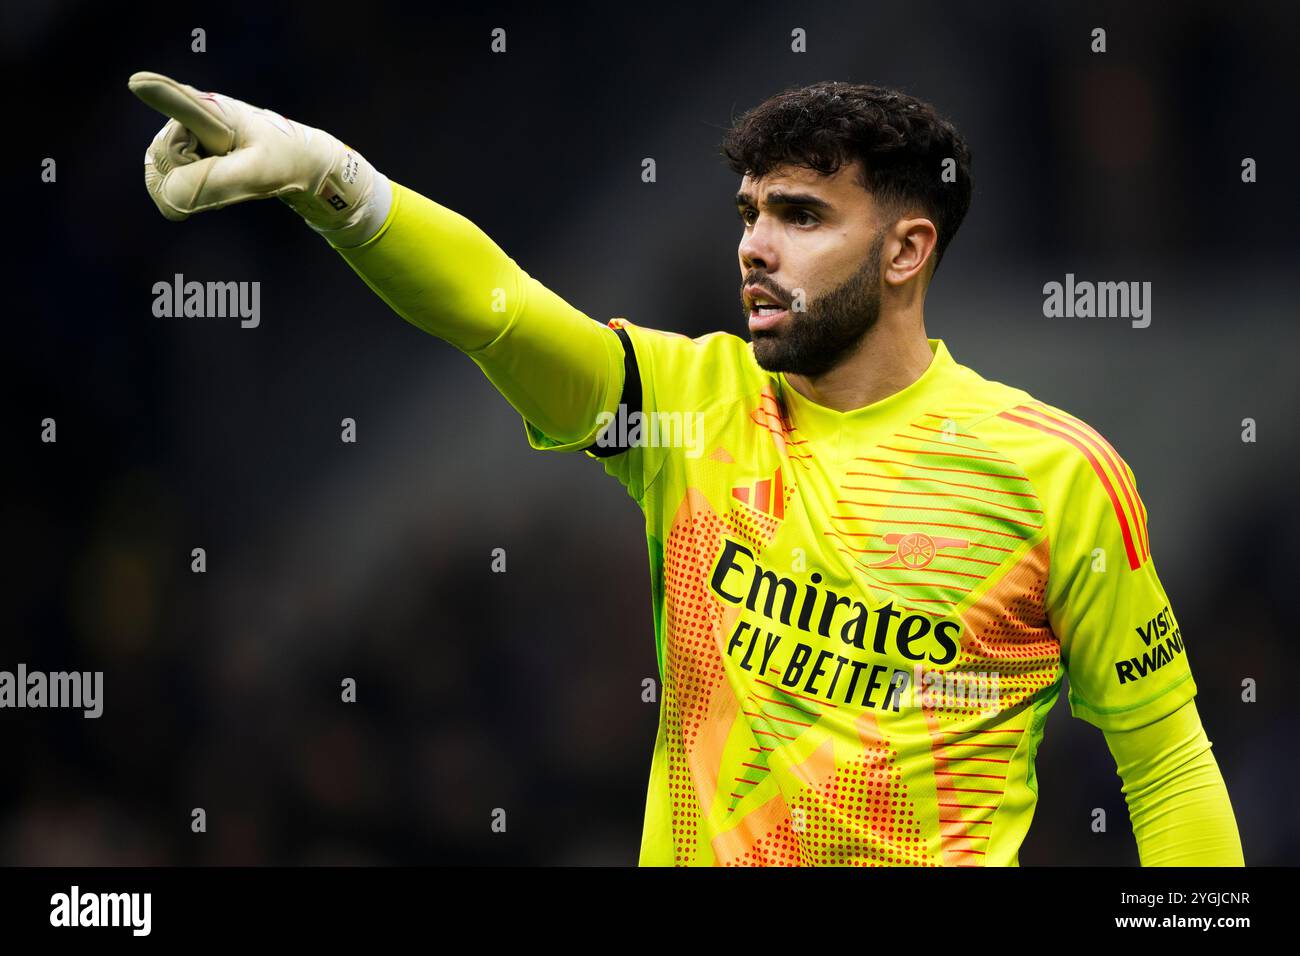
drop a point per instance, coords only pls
(695, 671)
(1006, 630)
(753, 527)
(858, 815)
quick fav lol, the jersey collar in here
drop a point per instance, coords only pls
(903, 405)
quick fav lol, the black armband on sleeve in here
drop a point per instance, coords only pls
(629, 402)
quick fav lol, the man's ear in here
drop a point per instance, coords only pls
(916, 238)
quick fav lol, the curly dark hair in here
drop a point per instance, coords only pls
(901, 141)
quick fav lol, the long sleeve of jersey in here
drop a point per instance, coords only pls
(559, 368)
(1178, 803)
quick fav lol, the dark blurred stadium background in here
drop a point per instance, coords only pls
(522, 691)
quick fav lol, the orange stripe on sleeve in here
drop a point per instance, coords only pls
(1126, 483)
(1134, 561)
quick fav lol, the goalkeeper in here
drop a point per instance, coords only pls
(866, 509)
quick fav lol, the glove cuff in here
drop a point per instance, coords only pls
(366, 221)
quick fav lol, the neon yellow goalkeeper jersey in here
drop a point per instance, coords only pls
(863, 618)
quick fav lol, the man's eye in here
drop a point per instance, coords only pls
(801, 217)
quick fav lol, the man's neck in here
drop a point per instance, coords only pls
(885, 362)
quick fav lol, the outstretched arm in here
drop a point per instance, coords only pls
(443, 274)
(1178, 803)
(557, 367)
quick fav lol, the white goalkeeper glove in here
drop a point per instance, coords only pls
(215, 150)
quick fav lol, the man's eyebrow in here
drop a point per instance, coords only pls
(744, 199)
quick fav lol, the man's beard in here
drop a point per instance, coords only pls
(814, 341)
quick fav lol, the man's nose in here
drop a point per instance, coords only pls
(758, 249)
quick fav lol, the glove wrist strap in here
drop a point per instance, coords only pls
(367, 218)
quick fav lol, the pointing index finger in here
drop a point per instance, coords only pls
(198, 112)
